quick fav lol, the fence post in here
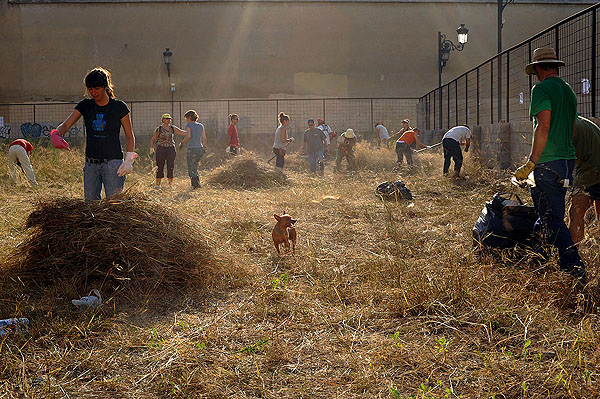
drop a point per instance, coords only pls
(593, 78)
(467, 98)
(455, 101)
(530, 78)
(372, 121)
(492, 92)
(33, 113)
(434, 110)
(507, 86)
(448, 104)
(477, 96)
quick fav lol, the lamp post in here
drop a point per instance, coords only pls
(167, 54)
(501, 6)
(445, 46)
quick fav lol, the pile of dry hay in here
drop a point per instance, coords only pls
(246, 173)
(126, 244)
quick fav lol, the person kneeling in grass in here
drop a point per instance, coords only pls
(18, 155)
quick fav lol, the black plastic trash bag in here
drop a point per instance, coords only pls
(505, 223)
(393, 191)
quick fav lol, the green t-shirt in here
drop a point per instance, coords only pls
(587, 146)
(555, 95)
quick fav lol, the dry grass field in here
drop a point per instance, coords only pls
(380, 300)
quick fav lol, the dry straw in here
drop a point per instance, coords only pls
(128, 243)
(246, 173)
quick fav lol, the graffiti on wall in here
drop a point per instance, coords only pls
(42, 129)
(5, 131)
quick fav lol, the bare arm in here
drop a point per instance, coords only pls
(188, 135)
(154, 138)
(70, 121)
(179, 131)
(284, 134)
(540, 135)
(129, 137)
(204, 138)
(419, 142)
(467, 144)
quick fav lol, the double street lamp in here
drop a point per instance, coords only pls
(167, 54)
(445, 46)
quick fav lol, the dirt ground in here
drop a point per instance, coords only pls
(380, 300)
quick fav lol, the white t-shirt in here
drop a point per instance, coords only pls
(327, 130)
(458, 133)
(383, 132)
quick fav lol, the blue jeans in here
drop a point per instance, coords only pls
(95, 175)
(549, 201)
(314, 158)
(194, 155)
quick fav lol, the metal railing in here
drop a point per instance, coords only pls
(257, 116)
(473, 97)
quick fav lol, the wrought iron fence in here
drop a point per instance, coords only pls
(498, 89)
(257, 116)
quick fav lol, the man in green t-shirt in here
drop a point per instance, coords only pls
(586, 190)
(552, 158)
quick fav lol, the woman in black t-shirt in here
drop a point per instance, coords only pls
(103, 116)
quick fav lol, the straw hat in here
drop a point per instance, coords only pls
(349, 134)
(166, 116)
(542, 56)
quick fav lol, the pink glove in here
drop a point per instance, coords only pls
(58, 141)
(127, 165)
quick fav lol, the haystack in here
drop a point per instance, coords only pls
(128, 244)
(246, 173)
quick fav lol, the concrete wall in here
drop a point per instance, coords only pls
(250, 49)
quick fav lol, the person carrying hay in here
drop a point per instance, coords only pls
(196, 136)
(345, 149)
(103, 115)
(18, 155)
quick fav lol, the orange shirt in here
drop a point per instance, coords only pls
(408, 137)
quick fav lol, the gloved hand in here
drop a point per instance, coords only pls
(127, 165)
(429, 147)
(58, 141)
(151, 150)
(523, 172)
(291, 139)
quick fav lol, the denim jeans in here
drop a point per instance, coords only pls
(549, 201)
(96, 175)
(194, 155)
(314, 158)
(279, 157)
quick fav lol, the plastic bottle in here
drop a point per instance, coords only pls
(94, 299)
(13, 325)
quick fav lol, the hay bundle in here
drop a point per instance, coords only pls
(246, 173)
(127, 242)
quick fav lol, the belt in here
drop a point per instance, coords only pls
(97, 160)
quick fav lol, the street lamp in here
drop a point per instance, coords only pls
(167, 54)
(445, 46)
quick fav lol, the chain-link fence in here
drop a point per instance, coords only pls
(258, 117)
(498, 89)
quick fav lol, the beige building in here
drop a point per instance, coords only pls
(241, 49)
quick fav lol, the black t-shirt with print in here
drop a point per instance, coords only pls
(102, 126)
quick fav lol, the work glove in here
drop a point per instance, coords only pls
(151, 150)
(523, 172)
(127, 165)
(291, 139)
(58, 141)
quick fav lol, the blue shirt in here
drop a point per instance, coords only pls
(196, 129)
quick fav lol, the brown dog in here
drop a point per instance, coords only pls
(284, 232)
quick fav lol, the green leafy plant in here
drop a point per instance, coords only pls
(255, 347)
(155, 339)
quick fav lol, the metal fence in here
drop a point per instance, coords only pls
(498, 89)
(257, 116)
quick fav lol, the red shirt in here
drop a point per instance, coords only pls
(23, 143)
(234, 141)
(408, 137)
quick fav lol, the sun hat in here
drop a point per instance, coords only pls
(166, 116)
(542, 56)
(349, 134)
(405, 121)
